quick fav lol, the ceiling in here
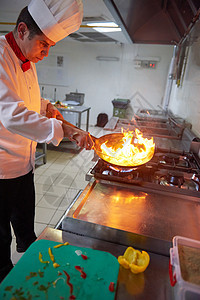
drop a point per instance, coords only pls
(156, 21)
(141, 21)
(94, 10)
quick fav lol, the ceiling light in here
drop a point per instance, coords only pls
(107, 29)
(107, 58)
(103, 24)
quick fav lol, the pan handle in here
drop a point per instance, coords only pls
(66, 122)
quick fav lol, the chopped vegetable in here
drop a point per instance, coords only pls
(32, 274)
(55, 265)
(84, 256)
(69, 283)
(51, 255)
(60, 278)
(9, 288)
(41, 260)
(83, 274)
(40, 273)
(78, 252)
(60, 245)
(134, 260)
(112, 287)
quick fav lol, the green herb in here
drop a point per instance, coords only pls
(41, 274)
(43, 288)
(32, 274)
(19, 292)
(8, 288)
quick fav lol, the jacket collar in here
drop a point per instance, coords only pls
(11, 41)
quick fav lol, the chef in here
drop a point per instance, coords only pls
(23, 120)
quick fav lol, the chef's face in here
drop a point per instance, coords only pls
(36, 47)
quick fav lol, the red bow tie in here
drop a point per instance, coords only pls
(11, 41)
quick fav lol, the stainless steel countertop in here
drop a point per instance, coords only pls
(74, 108)
(153, 284)
(152, 214)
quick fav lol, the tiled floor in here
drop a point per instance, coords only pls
(57, 183)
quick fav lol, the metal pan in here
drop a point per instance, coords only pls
(115, 140)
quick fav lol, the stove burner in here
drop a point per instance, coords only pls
(190, 185)
(115, 171)
(184, 175)
(170, 178)
(175, 178)
(121, 169)
(182, 163)
(169, 158)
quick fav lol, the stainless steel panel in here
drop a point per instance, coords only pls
(120, 237)
(137, 209)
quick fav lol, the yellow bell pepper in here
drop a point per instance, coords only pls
(56, 265)
(41, 259)
(60, 245)
(134, 260)
(51, 255)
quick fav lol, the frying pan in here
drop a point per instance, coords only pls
(114, 140)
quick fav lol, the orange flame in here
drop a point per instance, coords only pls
(134, 151)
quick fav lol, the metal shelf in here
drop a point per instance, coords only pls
(41, 154)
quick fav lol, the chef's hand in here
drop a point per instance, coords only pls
(52, 111)
(81, 137)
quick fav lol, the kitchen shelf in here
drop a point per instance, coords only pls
(41, 154)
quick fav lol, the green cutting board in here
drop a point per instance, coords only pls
(32, 279)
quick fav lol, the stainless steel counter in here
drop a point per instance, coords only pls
(78, 110)
(168, 134)
(153, 284)
(154, 215)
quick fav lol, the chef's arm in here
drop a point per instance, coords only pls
(81, 137)
(48, 109)
(73, 133)
(16, 117)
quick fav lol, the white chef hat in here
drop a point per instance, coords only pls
(57, 18)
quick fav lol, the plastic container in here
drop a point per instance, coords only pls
(119, 107)
(119, 112)
(183, 289)
(120, 103)
(74, 98)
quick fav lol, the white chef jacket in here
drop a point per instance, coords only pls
(21, 124)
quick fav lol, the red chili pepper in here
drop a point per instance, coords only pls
(72, 297)
(112, 287)
(84, 256)
(83, 274)
(70, 285)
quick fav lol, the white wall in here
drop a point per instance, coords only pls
(103, 81)
(185, 99)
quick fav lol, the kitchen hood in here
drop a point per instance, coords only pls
(155, 21)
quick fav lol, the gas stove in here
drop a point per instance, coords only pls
(166, 126)
(168, 171)
(144, 206)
